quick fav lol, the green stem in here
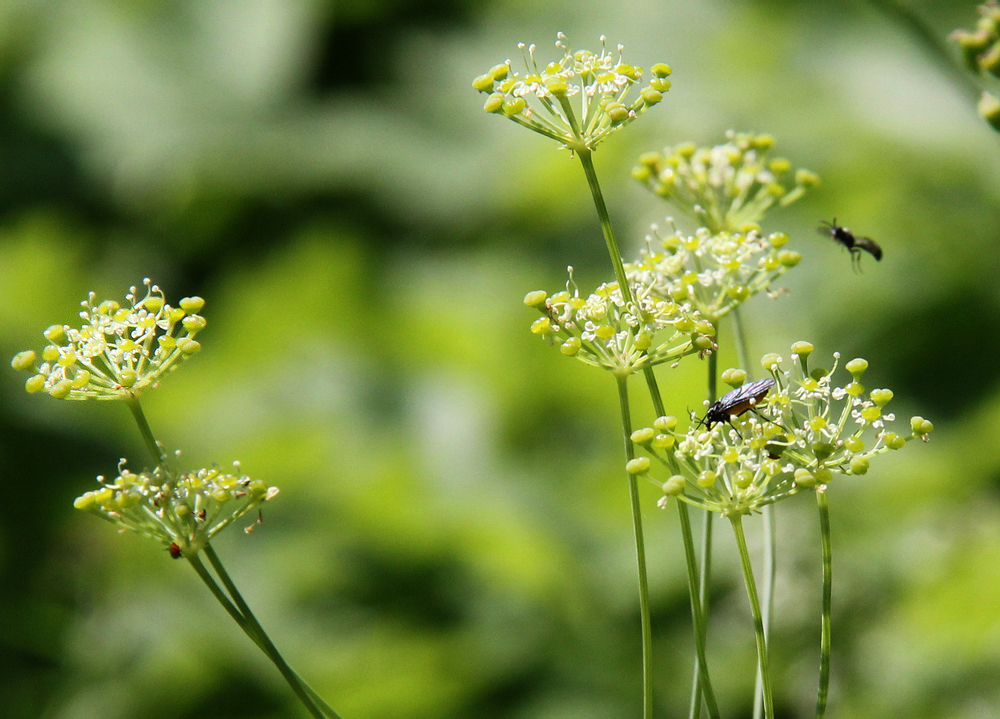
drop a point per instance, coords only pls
(702, 680)
(705, 576)
(824, 661)
(145, 431)
(586, 159)
(253, 628)
(640, 555)
(758, 621)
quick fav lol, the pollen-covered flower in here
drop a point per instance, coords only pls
(182, 511)
(605, 330)
(726, 187)
(579, 99)
(118, 351)
(712, 272)
(799, 433)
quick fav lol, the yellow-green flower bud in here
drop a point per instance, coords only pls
(536, 298)
(484, 83)
(61, 389)
(23, 360)
(665, 423)
(674, 486)
(804, 478)
(893, 440)
(802, 349)
(192, 305)
(541, 326)
(921, 426)
(639, 465)
(854, 444)
(643, 436)
(570, 347)
(859, 465)
(651, 96)
(770, 361)
(706, 479)
(734, 377)
(661, 70)
(55, 334)
(494, 104)
(35, 383)
(989, 109)
(881, 397)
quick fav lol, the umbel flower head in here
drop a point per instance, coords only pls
(981, 47)
(605, 330)
(805, 430)
(725, 187)
(181, 511)
(579, 99)
(711, 272)
(118, 351)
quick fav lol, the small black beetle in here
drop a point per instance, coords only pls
(735, 403)
(852, 242)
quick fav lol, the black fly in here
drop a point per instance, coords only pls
(740, 400)
(851, 241)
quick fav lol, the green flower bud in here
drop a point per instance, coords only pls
(494, 104)
(484, 83)
(535, 298)
(989, 110)
(734, 377)
(661, 70)
(822, 450)
(674, 486)
(618, 113)
(643, 436)
(35, 383)
(541, 326)
(893, 440)
(570, 347)
(854, 444)
(778, 239)
(192, 305)
(921, 426)
(789, 258)
(802, 349)
(61, 389)
(770, 361)
(665, 423)
(55, 334)
(639, 465)
(651, 96)
(706, 479)
(804, 478)
(23, 360)
(859, 465)
(664, 441)
(881, 397)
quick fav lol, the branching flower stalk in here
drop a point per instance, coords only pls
(579, 100)
(120, 351)
(806, 430)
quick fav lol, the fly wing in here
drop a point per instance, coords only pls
(752, 390)
(872, 247)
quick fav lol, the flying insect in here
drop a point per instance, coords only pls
(854, 243)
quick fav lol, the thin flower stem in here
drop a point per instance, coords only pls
(586, 159)
(770, 524)
(705, 564)
(248, 628)
(640, 555)
(741, 542)
(824, 661)
(145, 431)
(305, 693)
(703, 683)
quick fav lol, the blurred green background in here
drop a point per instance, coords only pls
(452, 537)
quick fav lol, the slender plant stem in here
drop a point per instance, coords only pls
(640, 555)
(703, 682)
(705, 563)
(145, 431)
(587, 160)
(751, 585)
(770, 523)
(253, 627)
(824, 661)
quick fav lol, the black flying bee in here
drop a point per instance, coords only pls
(740, 400)
(851, 241)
